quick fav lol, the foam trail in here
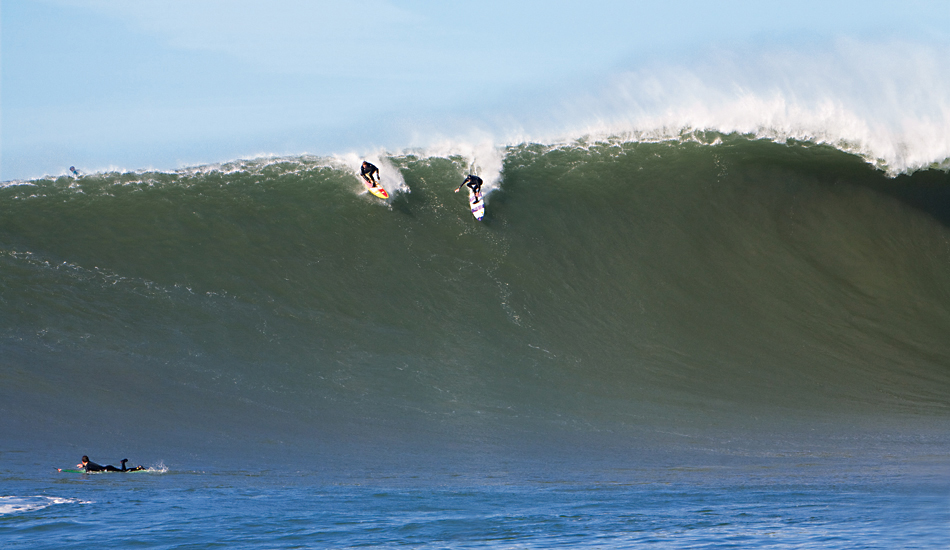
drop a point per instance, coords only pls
(10, 505)
(159, 468)
(482, 155)
(390, 177)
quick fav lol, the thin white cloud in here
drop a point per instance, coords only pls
(278, 35)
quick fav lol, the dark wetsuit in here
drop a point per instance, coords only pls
(367, 170)
(474, 183)
(93, 467)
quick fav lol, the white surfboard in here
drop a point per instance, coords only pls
(477, 204)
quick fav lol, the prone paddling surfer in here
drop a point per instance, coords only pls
(474, 183)
(367, 172)
(89, 466)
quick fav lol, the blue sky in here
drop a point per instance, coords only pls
(164, 84)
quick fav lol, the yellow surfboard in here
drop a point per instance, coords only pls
(377, 191)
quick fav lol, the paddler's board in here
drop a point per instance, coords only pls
(376, 191)
(75, 471)
(477, 204)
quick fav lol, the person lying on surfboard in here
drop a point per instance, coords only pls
(474, 183)
(89, 466)
(367, 171)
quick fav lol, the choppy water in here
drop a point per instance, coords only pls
(271, 509)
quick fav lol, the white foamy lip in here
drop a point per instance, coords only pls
(20, 505)
(886, 102)
(484, 157)
(889, 103)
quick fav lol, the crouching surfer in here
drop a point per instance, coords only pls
(475, 184)
(370, 173)
(89, 466)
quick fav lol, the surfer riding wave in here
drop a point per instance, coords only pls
(474, 183)
(368, 171)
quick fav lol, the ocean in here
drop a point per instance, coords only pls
(711, 340)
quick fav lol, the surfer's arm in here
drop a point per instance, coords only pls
(464, 183)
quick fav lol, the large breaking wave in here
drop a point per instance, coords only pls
(660, 286)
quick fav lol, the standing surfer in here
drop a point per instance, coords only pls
(474, 183)
(74, 171)
(368, 171)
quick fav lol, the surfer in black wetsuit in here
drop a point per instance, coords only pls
(474, 183)
(89, 466)
(367, 171)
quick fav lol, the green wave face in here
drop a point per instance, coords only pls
(612, 286)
